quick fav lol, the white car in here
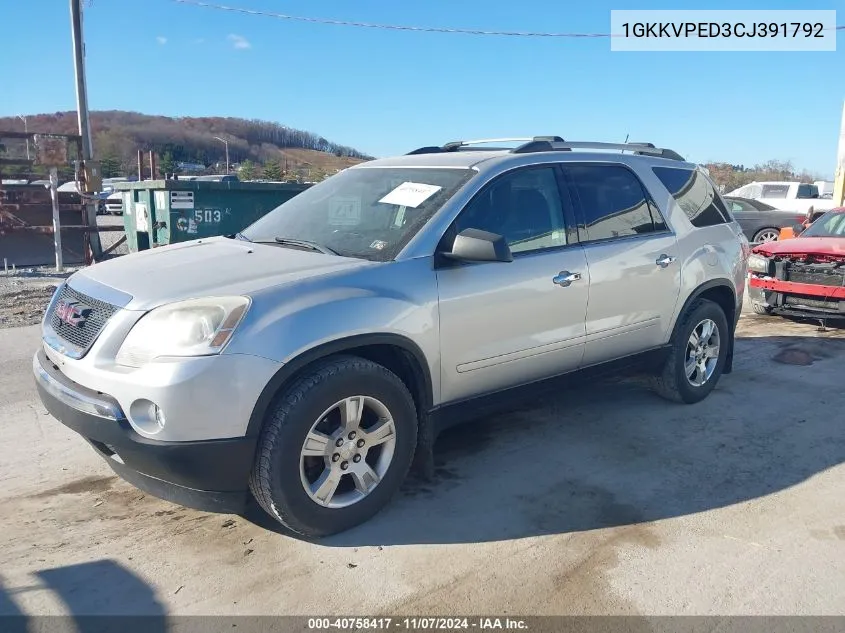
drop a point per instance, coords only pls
(786, 195)
(114, 203)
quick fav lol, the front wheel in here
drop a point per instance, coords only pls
(335, 447)
(698, 355)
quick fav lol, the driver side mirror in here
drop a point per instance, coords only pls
(475, 245)
(798, 229)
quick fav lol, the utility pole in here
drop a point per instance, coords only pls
(82, 113)
(226, 143)
(839, 180)
(25, 131)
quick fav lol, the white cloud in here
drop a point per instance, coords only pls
(161, 40)
(239, 42)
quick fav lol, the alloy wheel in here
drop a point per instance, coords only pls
(702, 353)
(768, 235)
(347, 451)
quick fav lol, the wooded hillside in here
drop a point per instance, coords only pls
(118, 135)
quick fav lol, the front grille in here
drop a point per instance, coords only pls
(819, 275)
(96, 314)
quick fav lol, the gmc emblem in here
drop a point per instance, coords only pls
(73, 314)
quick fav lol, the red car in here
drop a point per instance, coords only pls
(803, 276)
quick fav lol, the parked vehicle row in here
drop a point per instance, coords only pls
(787, 195)
(310, 359)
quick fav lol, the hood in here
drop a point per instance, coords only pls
(212, 266)
(803, 246)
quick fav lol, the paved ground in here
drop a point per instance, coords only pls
(601, 500)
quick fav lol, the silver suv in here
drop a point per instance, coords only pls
(310, 359)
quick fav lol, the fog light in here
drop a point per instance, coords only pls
(147, 416)
(158, 415)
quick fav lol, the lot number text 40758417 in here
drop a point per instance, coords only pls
(418, 623)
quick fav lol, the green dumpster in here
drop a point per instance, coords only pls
(160, 212)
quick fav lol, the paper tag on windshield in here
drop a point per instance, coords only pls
(410, 194)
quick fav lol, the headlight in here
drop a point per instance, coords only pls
(758, 263)
(197, 327)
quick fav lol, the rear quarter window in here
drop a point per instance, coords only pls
(694, 194)
(775, 191)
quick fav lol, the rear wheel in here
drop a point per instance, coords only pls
(761, 309)
(767, 235)
(698, 355)
(335, 447)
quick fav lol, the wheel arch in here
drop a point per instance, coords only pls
(722, 293)
(399, 354)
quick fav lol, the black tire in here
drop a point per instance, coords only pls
(672, 383)
(275, 480)
(761, 309)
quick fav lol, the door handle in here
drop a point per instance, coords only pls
(565, 278)
(664, 260)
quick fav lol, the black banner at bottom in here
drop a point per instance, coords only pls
(533, 624)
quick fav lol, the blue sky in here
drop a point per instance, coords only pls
(387, 92)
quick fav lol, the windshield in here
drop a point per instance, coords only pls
(831, 224)
(366, 212)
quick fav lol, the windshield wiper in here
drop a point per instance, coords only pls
(305, 244)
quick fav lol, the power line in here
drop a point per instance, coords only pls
(397, 27)
(391, 27)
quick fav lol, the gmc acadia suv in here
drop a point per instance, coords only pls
(308, 358)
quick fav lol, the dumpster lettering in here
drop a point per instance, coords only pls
(207, 215)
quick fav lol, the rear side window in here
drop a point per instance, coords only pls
(775, 191)
(739, 207)
(613, 202)
(694, 194)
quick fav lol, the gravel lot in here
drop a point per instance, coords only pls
(108, 238)
(601, 500)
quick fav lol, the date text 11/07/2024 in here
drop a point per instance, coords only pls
(418, 624)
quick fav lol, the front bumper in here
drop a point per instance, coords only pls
(210, 475)
(798, 299)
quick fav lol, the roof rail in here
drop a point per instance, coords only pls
(454, 146)
(550, 144)
(642, 149)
